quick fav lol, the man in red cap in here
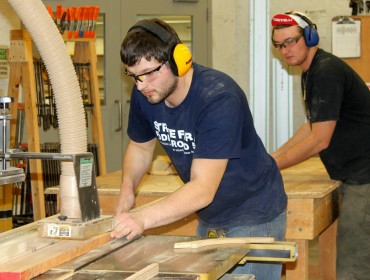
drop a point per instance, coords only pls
(337, 104)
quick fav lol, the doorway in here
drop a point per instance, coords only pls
(188, 18)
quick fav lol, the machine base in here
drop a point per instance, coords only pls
(73, 228)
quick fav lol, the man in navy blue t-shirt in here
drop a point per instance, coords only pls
(201, 118)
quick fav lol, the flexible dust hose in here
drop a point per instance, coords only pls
(63, 78)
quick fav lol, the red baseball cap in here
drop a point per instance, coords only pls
(289, 18)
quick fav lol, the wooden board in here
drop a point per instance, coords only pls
(221, 241)
(24, 254)
(307, 218)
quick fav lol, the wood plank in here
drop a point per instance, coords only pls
(147, 272)
(307, 218)
(55, 275)
(33, 255)
(221, 241)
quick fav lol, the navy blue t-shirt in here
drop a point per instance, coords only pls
(214, 122)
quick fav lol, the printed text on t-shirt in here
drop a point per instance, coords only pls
(179, 140)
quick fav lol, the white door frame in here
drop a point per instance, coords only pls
(273, 115)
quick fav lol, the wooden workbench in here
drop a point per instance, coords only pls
(311, 212)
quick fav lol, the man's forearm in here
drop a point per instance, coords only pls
(301, 151)
(136, 162)
(300, 134)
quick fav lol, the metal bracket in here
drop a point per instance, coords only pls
(83, 164)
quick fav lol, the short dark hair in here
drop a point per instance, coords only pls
(140, 43)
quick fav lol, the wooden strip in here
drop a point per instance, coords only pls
(221, 241)
(146, 273)
(33, 263)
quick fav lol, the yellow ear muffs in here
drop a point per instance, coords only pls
(180, 59)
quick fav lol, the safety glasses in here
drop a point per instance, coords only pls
(287, 43)
(148, 76)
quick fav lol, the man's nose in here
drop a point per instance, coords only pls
(284, 50)
(140, 85)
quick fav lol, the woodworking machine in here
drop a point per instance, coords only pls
(161, 257)
(91, 222)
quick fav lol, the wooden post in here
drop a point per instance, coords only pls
(85, 52)
(22, 73)
(328, 248)
(299, 269)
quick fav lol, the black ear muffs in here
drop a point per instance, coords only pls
(311, 37)
(179, 58)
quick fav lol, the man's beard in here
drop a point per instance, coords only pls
(166, 93)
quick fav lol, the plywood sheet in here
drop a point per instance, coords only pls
(121, 260)
(213, 262)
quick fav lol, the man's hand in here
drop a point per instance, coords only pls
(127, 225)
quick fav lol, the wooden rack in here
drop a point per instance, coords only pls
(22, 72)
